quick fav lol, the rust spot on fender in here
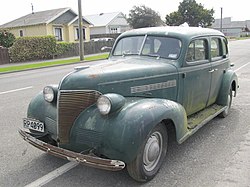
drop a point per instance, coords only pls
(93, 76)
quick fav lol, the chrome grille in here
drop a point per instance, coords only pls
(70, 105)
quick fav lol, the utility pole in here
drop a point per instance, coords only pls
(81, 45)
(32, 8)
(221, 19)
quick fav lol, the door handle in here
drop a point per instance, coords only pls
(212, 70)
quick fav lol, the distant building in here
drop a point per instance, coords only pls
(62, 23)
(107, 23)
(232, 28)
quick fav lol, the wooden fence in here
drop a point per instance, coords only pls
(4, 56)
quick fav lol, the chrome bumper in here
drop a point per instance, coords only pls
(88, 160)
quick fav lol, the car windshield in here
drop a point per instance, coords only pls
(155, 46)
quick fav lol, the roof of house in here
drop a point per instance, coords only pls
(36, 18)
(102, 19)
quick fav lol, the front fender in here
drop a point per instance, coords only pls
(45, 112)
(120, 135)
(229, 80)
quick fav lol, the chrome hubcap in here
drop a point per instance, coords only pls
(152, 151)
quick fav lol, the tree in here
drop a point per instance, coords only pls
(191, 12)
(6, 38)
(142, 16)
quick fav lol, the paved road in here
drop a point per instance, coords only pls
(217, 155)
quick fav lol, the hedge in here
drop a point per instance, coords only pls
(6, 38)
(33, 48)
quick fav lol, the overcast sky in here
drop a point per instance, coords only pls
(13, 9)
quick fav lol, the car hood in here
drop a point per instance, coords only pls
(118, 76)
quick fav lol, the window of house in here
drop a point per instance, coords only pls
(77, 34)
(114, 30)
(21, 33)
(197, 50)
(58, 34)
(216, 48)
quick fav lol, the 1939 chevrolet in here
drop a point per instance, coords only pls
(119, 112)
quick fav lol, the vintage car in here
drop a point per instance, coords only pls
(120, 112)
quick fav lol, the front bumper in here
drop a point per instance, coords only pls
(88, 160)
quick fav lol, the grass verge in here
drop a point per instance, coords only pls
(50, 63)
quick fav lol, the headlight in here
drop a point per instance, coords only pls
(104, 105)
(109, 103)
(49, 94)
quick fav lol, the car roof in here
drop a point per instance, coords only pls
(174, 31)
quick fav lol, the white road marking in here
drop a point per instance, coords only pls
(52, 175)
(241, 67)
(16, 90)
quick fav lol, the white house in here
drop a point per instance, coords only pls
(107, 23)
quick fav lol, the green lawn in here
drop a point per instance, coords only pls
(52, 63)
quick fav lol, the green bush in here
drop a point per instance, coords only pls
(63, 47)
(6, 38)
(33, 48)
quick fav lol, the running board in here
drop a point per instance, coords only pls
(199, 119)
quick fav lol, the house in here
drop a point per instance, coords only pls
(62, 23)
(232, 28)
(107, 23)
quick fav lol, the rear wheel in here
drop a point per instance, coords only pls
(151, 155)
(229, 102)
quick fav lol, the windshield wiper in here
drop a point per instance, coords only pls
(153, 55)
(129, 53)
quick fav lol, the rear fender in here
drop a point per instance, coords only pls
(229, 81)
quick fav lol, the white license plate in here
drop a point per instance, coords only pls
(33, 125)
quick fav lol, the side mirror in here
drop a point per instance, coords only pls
(106, 47)
(231, 65)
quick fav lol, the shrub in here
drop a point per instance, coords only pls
(33, 48)
(6, 38)
(63, 47)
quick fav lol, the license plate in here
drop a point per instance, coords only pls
(33, 125)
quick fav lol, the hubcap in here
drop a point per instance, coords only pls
(152, 151)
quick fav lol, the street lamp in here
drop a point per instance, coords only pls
(81, 46)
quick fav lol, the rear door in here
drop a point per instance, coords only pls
(219, 62)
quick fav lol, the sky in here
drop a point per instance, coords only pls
(13, 9)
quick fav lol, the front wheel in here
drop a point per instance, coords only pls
(151, 155)
(229, 102)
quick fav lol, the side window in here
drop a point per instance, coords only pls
(224, 46)
(197, 50)
(216, 48)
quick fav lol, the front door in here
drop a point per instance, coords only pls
(196, 76)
